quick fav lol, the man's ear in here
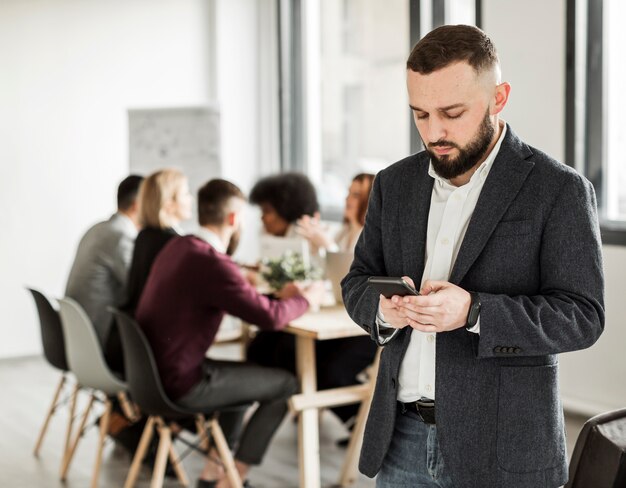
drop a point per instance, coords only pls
(501, 98)
(232, 218)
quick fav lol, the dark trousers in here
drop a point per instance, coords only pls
(228, 383)
(339, 361)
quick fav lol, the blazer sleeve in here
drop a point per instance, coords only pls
(568, 312)
(360, 300)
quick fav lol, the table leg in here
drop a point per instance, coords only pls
(308, 427)
(349, 471)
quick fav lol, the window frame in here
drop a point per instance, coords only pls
(584, 118)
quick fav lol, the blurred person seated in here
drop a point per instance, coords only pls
(192, 285)
(339, 361)
(353, 220)
(164, 201)
(283, 199)
(98, 276)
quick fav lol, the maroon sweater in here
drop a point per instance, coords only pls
(190, 288)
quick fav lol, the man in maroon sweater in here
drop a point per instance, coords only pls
(192, 285)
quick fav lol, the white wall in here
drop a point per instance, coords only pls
(70, 71)
(530, 38)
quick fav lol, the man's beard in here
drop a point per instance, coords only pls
(233, 243)
(468, 156)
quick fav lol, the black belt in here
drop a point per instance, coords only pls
(424, 410)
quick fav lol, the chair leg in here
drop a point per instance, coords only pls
(140, 453)
(70, 424)
(69, 454)
(178, 466)
(130, 409)
(165, 440)
(224, 451)
(202, 435)
(46, 421)
(104, 428)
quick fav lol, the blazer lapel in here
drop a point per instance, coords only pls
(416, 189)
(506, 177)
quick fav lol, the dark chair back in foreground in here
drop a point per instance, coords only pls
(599, 458)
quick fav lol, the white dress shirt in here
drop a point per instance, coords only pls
(451, 209)
(212, 238)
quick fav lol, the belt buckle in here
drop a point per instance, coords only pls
(421, 405)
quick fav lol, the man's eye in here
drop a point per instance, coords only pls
(422, 116)
(454, 116)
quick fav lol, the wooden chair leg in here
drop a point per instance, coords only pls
(130, 409)
(202, 435)
(49, 415)
(69, 455)
(224, 451)
(104, 428)
(140, 453)
(70, 424)
(165, 440)
(178, 466)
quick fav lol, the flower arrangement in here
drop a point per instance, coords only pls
(289, 267)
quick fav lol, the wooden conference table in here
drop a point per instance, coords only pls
(327, 323)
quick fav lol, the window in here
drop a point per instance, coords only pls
(344, 103)
(596, 129)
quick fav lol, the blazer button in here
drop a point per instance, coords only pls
(393, 383)
(509, 350)
(517, 350)
(497, 349)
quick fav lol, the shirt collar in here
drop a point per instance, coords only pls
(212, 238)
(131, 227)
(483, 169)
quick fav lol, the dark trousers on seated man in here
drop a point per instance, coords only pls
(228, 383)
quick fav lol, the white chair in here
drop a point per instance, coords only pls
(86, 361)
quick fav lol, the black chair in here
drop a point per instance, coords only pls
(54, 352)
(147, 391)
(599, 458)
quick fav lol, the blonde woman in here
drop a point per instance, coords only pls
(164, 201)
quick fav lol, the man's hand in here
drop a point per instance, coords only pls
(441, 307)
(393, 313)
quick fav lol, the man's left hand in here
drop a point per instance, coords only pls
(440, 307)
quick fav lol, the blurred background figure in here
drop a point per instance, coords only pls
(283, 199)
(98, 276)
(320, 236)
(164, 201)
(339, 361)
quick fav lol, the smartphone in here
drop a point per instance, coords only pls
(389, 286)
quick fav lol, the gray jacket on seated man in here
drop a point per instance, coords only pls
(98, 276)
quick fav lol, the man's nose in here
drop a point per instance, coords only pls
(436, 129)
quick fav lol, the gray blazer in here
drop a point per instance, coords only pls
(98, 276)
(532, 252)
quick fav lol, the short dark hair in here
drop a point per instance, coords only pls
(291, 194)
(127, 191)
(450, 44)
(213, 200)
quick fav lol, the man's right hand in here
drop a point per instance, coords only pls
(390, 310)
(313, 292)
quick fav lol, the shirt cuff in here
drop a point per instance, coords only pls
(384, 331)
(476, 328)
